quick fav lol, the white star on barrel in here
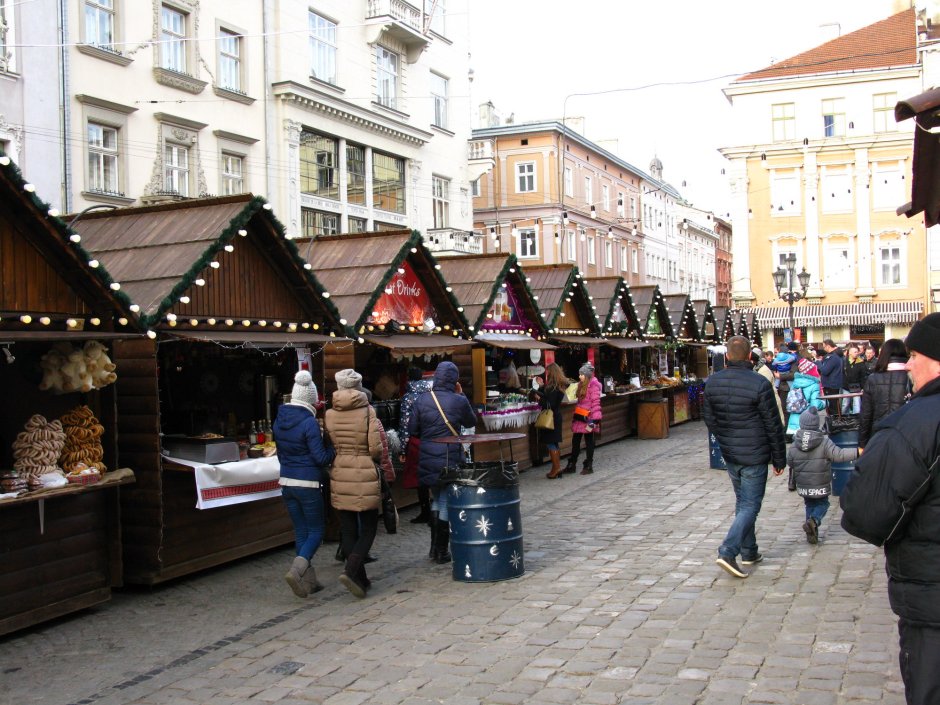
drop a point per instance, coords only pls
(515, 559)
(483, 526)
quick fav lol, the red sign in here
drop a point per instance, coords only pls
(405, 301)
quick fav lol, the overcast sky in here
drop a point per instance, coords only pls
(530, 56)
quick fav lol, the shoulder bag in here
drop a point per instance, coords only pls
(387, 502)
(443, 415)
(545, 420)
(908, 505)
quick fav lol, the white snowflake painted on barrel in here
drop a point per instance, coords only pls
(484, 525)
(455, 490)
(515, 559)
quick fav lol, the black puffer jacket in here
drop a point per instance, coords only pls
(741, 411)
(907, 442)
(854, 375)
(884, 392)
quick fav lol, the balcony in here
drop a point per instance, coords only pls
(481, 156)
(447, 241)
(399, 20)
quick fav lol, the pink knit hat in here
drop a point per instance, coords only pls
(808, 367)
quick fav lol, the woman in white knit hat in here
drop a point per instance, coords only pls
(303, 458)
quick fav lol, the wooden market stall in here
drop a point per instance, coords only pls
(509, 346)
(389, 291)
(231, 313)
(60, 546)
(686, 344)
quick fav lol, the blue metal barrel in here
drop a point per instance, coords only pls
(485, 532)
(842, 471)
(715, 460)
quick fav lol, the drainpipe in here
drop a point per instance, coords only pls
(269, 136)
(64, 106)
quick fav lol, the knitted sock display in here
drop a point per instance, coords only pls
(82, 440)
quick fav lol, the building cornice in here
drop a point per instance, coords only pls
(817, 80)
(315, 101)
(902, 140)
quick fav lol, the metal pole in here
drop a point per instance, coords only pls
(790, 300)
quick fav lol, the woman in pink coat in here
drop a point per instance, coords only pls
(586, 419)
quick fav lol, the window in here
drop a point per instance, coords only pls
(591, 257)
(439, 95)
(569, 181)
(525, 177)
(605, 197)
(103, 159)
(890, 260)
(318, 165)
(99, 23)
(782, 255)
(173, 36)
(436, 23)
(475, 188)
(837, 191)
(355, 174)
(887, 186)
(833, 114)
(632, 206)
(357, 225)
(572, 247)
(440, 194)
(6, 38)
(229, 44)
(784, 121)
(176, 169)
(785, 192)
(528, 243)
(315, 223)
(636, 261)
(588, 191)
(609, 254)
(883, 107)
(624, 262)
(838, 267)
(322, 48)
(387, 77)
(388, 182)
(233, 180)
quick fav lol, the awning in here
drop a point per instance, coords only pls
(840, 314)
(255, 338)
(513, 342)
(579, 339)
(626, 343)
(13, 336)
(419, 344)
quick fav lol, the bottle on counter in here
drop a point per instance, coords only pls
(253, 434)
(261, 437)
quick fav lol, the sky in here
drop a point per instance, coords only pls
(655, 70)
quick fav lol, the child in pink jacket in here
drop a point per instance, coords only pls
(586, 419)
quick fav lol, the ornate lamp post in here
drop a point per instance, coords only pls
(783, 280)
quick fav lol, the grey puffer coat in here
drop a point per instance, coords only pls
(354, 432)
(811, 456)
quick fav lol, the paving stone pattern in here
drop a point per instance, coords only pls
(621, 602)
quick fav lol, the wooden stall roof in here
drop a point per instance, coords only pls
(356, 268)
(649, 302)
(609, 292)
(682, 316)
(44, 273)
(626, 343)
(723, 321)
(705, 315)
(552, 285)
(420, 344)
(160, 253)
(753, 327)
(476, 280)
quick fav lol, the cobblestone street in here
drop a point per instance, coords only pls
(621, 602)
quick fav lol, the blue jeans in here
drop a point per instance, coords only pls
(305, 506)
(749, 482)
(852, 405)
(816, 508)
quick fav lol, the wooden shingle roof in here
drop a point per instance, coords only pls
(682, 316)
(553, 285)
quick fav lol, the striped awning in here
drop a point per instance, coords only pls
(840, 314)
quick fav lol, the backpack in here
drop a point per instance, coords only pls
(796, 402)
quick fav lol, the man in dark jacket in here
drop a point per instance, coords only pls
(830, 372)
(741, 412)
(437, 413)
(895, 463)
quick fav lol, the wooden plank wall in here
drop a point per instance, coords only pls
(138, 404)
(336, 356)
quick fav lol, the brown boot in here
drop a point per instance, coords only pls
(295, 576)
(555, 455)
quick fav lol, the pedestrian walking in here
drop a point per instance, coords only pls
(810, 458)
(892, 500)
(355, 486)
(410, 444)
(550, 396)
(440, 412)
(854, 374)
(830, 368)
(804, 393)
(586, 419)
(740, 411)
(870, 355)
(761, 362)
(886, 388)
(304, 458)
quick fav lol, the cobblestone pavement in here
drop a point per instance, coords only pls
(621, 602)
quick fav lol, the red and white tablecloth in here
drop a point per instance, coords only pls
(233, 483)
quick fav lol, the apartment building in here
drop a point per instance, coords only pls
(820, 169)
(697, 266)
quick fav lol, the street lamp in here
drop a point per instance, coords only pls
(783, 277)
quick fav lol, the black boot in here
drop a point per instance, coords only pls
(424, 502)
(432, 554)
(442, 543)
(572, 466)
(352, 576)
(588, 467)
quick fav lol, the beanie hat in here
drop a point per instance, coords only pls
(304, 391)
(809, 419)
(587, 369)
(792, 345)
(925, 336)
(348, 379)
(807, 367)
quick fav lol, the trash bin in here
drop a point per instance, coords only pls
(715, 460)
(485, 521)
(842, 471)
